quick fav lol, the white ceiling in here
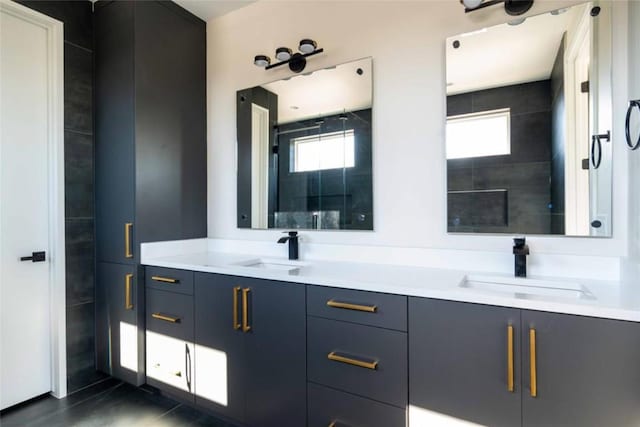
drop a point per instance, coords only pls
(507, 54)
(324, 92)
(210, 9)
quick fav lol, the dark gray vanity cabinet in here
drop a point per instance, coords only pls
(250, 337)
(567, 370)
(150, 126)
(356, 358)
(458, 361)
(587, 371)
(119, 320)
(150, 77)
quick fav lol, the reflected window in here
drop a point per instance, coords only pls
(479, 134)
(324, 151)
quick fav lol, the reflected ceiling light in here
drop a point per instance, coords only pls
(261, 60)
(297, 61)
(283, 53)
(512, 7)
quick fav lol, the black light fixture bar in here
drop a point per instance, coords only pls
(512, 7)
(294, 56)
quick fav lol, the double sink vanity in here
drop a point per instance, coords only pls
(267, 341)
(263, 341)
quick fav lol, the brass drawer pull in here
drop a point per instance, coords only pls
(245, 310)
(350, 361)
(128, 305)
(510, 358)
(127, 240)
(533, 369)
(236, 323)
(164, 279)
(349, 306)
(166, 318)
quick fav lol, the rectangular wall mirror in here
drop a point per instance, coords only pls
(528, 121)
(304, 151)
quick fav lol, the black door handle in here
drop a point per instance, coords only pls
(35, 257)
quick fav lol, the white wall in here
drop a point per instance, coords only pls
(406, 41)
(633, 265)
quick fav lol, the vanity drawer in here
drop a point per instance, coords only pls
(367, 308)
(170, 365)
(368, 361)
(327, 406)
(169, 279)
(170, 314)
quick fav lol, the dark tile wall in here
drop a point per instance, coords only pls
(349, 191)
(77, 17)
(476, 202)
(557, 142)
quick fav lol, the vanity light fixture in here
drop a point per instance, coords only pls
(512, 7)
(261, 60)
(283, 53)
(297, 61)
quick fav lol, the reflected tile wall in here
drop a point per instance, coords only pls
(524, 206)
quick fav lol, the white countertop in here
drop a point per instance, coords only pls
(613, 300)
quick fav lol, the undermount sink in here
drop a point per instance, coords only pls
(273, 264)
(525, 287)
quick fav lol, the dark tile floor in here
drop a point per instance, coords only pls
(107, 403)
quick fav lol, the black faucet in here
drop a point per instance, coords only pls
(293, 243)
(520, 250)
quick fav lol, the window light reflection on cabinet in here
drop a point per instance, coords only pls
(479, 134)
(324, 151)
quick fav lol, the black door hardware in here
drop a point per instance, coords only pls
(627, 125)
(597, 140)
(35, 257)
(585, 164)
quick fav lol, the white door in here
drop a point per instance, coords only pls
(25, 312)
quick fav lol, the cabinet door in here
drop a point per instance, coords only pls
(120, 335)
(114, 132)
(587, 371)
(458, 363)
(276, 354)
(219, 375)
(171, 123)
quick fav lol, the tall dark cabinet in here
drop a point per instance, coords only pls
(150, 65)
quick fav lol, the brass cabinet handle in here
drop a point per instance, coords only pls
(349, 306)
(532, 363)
(128, 305)
(164, 279)
(351, 361)
(166, 318)
(236, 322)
(510, 358)
(245, 310)
(127, 240)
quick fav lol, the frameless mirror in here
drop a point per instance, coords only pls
(528, 125)
(304, 151)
